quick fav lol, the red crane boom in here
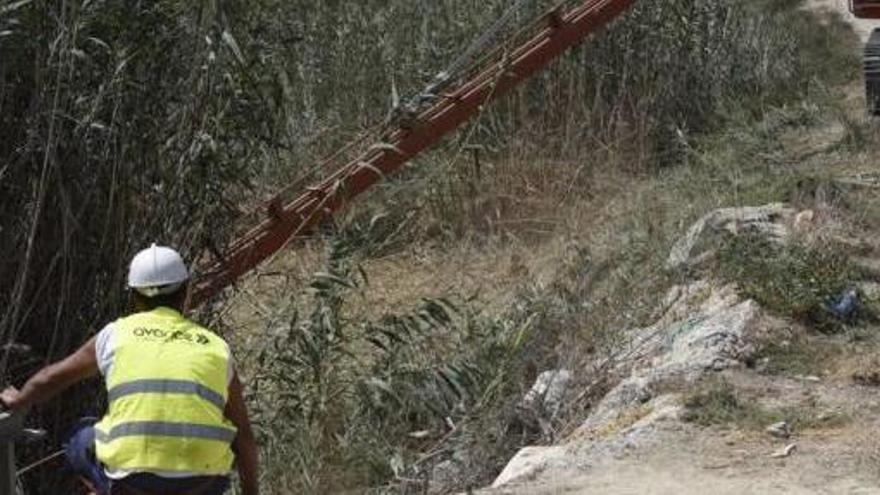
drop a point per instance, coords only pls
(865, 9)
(560, 30)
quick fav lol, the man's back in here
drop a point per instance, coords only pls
(167, 381)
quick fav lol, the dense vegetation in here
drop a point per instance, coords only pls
(125, 123)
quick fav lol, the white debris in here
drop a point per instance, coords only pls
(528, 463)
(785, 451)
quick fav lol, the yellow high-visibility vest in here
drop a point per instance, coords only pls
(167, 391)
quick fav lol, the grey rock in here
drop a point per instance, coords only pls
(703, 327)
(528, 463)
(547, 395)
(771, 220)
(718, 334)
(779, 430)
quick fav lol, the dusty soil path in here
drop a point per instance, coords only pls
(682, 459)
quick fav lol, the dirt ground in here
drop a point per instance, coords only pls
(840, 458)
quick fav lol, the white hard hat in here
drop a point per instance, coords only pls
(157, 270)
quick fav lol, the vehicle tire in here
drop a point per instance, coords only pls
(871, 67)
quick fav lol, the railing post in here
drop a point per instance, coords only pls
(10, 427)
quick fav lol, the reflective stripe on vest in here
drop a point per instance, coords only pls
(166, 387)
(157, 428)
(167, 392)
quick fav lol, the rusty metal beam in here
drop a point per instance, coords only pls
(561, 31)
(865, 9)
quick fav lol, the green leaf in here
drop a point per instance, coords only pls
(229, 40)
(452, 380)
(14, 6)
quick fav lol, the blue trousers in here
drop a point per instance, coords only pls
(80, 456)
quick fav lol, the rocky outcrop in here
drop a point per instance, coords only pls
(705, 328)
(701, 327)
(636, 430)
(775, 221)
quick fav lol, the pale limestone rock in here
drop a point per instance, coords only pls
(771, 220)
(547, 395)
(803, 221)
(712, 332)
(704, 328)
(528, 463)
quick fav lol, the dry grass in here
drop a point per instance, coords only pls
(599, 269)
(717, 403)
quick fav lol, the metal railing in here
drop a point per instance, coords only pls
(12, 429)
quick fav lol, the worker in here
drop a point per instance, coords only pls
(176, 420)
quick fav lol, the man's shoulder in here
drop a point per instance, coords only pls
(210, 334)
(194, 325)
(141, 322)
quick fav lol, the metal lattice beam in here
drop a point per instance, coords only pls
(560, 31)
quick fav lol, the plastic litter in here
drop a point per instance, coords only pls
(847, 305)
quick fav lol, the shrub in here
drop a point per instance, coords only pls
(792, 280)
(716, 402)
(352, 403)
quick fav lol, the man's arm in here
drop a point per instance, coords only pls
(245, 446)
(53, 379)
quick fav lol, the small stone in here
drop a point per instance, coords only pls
(813, 378)
(785, 451)
(770, 221)
(825, 417)
(779, 430)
